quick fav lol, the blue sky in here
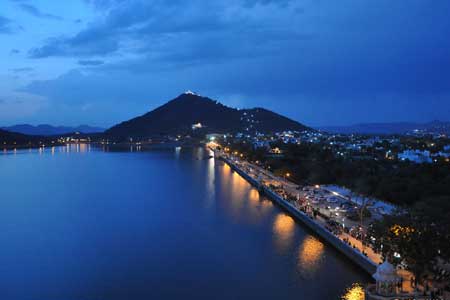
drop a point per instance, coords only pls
(321, 62)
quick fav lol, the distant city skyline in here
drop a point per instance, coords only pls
(322, 63)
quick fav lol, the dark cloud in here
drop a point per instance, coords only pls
(90, 62)
(314, 60)
(161, 29)
(140, 92)
(14, 51)
(34, 11)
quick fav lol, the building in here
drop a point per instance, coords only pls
(386, 283)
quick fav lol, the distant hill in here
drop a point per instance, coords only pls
(48, 130)
(391, 128)
(180, 114)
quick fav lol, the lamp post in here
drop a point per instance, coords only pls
(287, 175)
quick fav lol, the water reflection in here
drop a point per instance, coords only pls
(310, 255)
(135, 148)
(68, 148)
(198, 153)
(78, 148)
(177, 152)
(253, 196)
(257, 206)
(210, 181)
(226, 170)
(355, 292)
(236, 187)
(82, 148)
(255, 236)
(283, 229)
(245, 203)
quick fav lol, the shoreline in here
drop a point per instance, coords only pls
(350, 253)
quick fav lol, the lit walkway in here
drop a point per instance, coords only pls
(256, 171)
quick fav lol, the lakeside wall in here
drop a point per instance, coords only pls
(354, 255)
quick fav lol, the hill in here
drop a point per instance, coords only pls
(179, 115)
(49, 130)
(13, 138)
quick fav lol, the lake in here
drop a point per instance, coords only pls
(82, 223)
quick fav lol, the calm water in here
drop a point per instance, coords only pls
(78, 223)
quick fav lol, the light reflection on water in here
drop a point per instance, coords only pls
(283, 229)
(249, 206)
(210, 182)
(237, 185)
(52, 150)
(355, 292)
(251, 231)
(177, 152)
(257, 206)
(310, 255)
(246, 205)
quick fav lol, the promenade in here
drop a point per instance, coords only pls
(362, 255)
(263, 180)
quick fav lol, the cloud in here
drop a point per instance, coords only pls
(160, 29)
(14, 51)
(95, 99)
(81, 45)
(34, 11)
(5, 25)
(90, 62)
(312, 59)
(124, 95)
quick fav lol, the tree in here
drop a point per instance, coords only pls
(409, 238)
